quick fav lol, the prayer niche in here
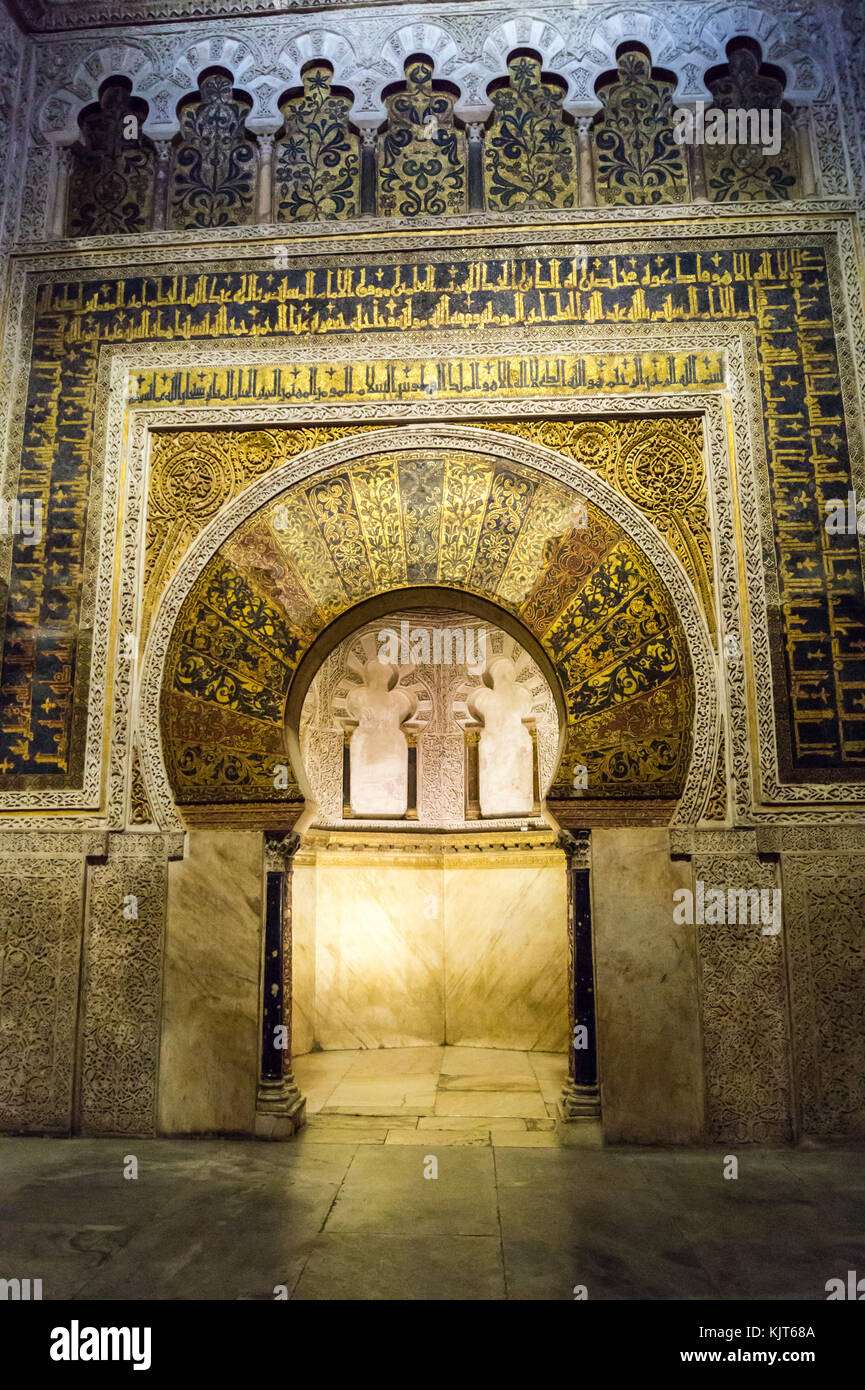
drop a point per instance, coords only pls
(433, 717)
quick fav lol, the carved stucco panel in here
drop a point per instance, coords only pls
(824, 897)
(122, 995)
(40, 949)
(744, 1011)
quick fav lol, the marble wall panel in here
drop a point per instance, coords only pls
(304, 896)
(506, 953)
(379, 964)
(429, 950)
(210, 1039)
(649, 1054)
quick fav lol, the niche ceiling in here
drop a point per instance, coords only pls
(462, 521)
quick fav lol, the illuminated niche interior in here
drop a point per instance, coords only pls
(429, 718)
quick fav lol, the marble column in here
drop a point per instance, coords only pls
(160, 188)
(265, 178)
(62, 167)
(367, 172)
(581, 1097)
(475, 133)
(802, 126)
(280, 1109)
(696, 172)
(588, 198)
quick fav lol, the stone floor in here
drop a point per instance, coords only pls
(519, 1207)
(442, 1095)
(221, 1219)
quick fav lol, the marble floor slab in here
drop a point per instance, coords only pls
(368, 1215)
(476, 1085)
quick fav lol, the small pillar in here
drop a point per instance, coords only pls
(62, 166)
(475, 133)
(804, 151)
(160, 187)
(581, 1097)
(265, 178)
(280, 1109)
(696, 171)
(588, 197)
(367, 172)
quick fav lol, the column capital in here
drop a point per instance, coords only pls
(279, 850)
(577, 847)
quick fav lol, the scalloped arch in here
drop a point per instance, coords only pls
(421, 37)
(325, 44)
(224, 51)
(526, 32)
(58, 113)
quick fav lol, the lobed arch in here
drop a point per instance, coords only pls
(578, 59)
(234, 554)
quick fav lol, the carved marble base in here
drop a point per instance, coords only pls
(280, 1109)
(579, 1103)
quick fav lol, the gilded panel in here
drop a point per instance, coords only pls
(636, 158)
(317, 159)
(111, 179)
(737, 170)
(530, 151)
(421, 154)
(213, 173)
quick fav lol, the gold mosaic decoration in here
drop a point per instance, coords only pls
(657, 463)
(456, 519)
